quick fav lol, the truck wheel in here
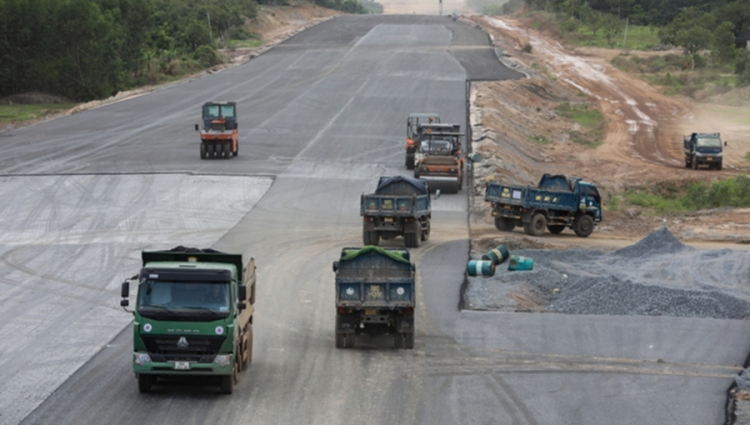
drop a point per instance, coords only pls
(227, 384)
(584, 225)
(340, 340)
(145, 382)
(416, 172)
(555, 229)
(504, 225)
(538, 224)
(426, 233)
(398, 340)
(695, 164)
(412, 240)
(366, 237)
(409, 161)
(370, 238)
(350, 340)
(718, 167)
(409, 340)
(248, 355)
(203, 151)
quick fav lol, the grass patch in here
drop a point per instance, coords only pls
(541, 140)
(747, 157)
(244, 44)
(638, 38)
(590, 120)
(677, 197)
(12, 113)
(657, 204)
(614, 204)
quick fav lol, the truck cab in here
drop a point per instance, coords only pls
(193, 316)
(703, 149)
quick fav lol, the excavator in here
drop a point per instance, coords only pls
(219, 135)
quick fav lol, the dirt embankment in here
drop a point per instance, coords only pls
(522, 136)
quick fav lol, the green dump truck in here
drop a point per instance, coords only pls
(375, 295)
(193, 316)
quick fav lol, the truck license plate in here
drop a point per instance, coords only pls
(371, 312)
(709, 159)
(388, 219)
(182, 365)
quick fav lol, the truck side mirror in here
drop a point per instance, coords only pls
(243, 292)
(725, 143)
(124, 303)
(125, 290)
(335, 266)
(241, 305)
(196, 127)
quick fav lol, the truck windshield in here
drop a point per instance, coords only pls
(227, 111)
(182, 297)
(709, 142)
(215, 111)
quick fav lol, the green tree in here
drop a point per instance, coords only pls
(723, 49)
(612, 27)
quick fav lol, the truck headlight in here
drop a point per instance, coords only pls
(141, 358)
(223, 360)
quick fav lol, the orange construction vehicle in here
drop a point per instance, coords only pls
(413, 126)
(219, 135)
(438, 155)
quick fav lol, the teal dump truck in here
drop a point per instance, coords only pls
(193, 316)
(375, 295)
(703, 149)
(556, 203)
(400, 206)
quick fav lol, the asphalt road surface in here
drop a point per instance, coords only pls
(322, 116)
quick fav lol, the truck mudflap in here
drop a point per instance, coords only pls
(412, 227)
(405, 324)
(346, 323)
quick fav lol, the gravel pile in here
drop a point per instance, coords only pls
(658, 276)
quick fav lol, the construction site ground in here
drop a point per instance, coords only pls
(640, 146)
(635, 263)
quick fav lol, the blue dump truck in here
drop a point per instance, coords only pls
(703, 149)
(375, 295)
(555, 204)
(193, 316)
(400, 206)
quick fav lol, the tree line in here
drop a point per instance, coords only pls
(720, 26)
(91, 49)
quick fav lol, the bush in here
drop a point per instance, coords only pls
(206, 56)
(527, 48)
(700, 61)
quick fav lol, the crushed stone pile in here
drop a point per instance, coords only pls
(658, 276)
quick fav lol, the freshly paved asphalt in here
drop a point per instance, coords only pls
(324, 116)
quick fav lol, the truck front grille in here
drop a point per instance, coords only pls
(171, 347)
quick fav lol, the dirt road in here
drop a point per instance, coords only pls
(641, 145)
